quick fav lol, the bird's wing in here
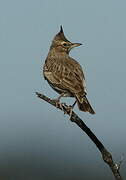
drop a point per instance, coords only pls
(67, 75)
(73, 77)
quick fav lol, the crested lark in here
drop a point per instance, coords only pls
(64, 74)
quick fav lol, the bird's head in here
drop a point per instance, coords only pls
(62, 44)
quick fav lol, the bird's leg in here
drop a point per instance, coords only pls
(62, 105)
(74, 104)
(57, 101)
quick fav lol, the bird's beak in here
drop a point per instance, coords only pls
(75, 45)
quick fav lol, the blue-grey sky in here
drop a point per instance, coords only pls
(36, 140)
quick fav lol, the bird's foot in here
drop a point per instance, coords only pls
(65, 108)
(58, 104)
(70, 111)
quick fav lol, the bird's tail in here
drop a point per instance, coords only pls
(84, 105)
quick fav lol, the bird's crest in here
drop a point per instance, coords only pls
(60, 35)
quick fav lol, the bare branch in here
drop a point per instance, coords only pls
(106, 155)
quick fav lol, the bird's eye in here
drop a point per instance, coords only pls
(65, 44)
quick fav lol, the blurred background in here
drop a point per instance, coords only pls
(37, 141)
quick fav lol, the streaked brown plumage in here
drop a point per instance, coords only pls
(64, 74)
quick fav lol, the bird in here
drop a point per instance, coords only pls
(64, 74)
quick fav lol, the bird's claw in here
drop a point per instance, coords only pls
(57, 102)
(66, 109)
(70, 110)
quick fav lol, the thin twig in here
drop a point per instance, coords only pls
(106, 155)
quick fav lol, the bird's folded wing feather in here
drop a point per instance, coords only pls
(67, 75)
